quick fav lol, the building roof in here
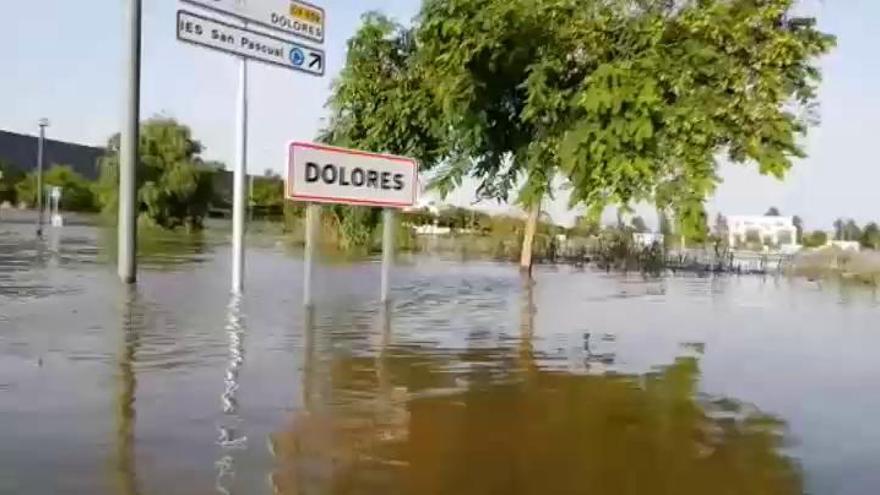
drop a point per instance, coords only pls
(20, 150)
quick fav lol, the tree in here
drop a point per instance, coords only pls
(721, 230)
(268, 194)
(173, 189)
(77, 193)
(477, 57)
(815, 239)
(693, 224)
(639, 225)
(665, 226)
(773, 212)
(799, 228)
(851, 231)
(380, 103)
(839, 225)
(10, 175)
(621, 99)
(871, 236)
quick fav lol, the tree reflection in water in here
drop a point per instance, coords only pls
(397, 423)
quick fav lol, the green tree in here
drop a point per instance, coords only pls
(624, 101)
(839, 226)
(799, 228)
(665, 226)
(420, 217)
(621, 99)
(639, 225)
(77, 192)
(851, 231)
(380, 103)
(815, 239)
(773, 212)
(10, 175)
(649, 109)
(871, 236)
(268, 194)
(174, 189)
(721, 230)
(586, 226)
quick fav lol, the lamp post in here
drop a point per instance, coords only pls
(43, 123)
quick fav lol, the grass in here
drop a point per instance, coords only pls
(862, 267)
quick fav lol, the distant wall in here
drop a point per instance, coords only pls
(21, 151)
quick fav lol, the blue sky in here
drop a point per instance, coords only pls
(64, 60)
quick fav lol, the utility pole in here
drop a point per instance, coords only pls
(44, 123)
(128, 151)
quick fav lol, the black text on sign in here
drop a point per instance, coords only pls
(326, 174)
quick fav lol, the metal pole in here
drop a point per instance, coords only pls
(128, 151)
(313, 217)
(387, 251)
(239, 201)
(42, 138)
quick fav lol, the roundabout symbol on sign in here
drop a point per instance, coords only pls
(297, 57)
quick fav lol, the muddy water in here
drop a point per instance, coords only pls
(471, 382)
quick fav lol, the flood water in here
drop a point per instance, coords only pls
(471, 382)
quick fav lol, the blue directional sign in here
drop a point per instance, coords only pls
(212, 33)
(297, 57)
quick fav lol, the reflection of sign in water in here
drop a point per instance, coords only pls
(210, 33)
(295, 17)
(326, 174)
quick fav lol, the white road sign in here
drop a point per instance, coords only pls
(325, 174)
(291, 16)
(203, 31)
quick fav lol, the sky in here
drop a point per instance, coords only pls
(64, 60)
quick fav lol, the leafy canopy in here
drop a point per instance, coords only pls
(174, 187)
(625, 100)
(77, 192)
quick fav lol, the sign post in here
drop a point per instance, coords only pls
(313, 223)
(238, 182)
(128, 152)
(326, 174)
(289, 16)
(388, 220)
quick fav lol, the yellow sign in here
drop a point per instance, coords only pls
(306, 13)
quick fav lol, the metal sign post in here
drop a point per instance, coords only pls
(292, 17)
(40, 144)
(388, 227)
(128, 151)
(239, 179)
(313, 223)
(326, 174)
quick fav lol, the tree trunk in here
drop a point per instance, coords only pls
(525, 260)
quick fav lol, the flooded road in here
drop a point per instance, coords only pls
(471, 382)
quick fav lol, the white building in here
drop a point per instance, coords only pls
(647, 239)
(845, 245)
(778, 231)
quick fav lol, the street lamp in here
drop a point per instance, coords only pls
(43, 123)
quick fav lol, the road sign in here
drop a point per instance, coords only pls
(291, 16)
(326, 174)
(203, 31)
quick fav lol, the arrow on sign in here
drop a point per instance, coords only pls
(317, 61)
